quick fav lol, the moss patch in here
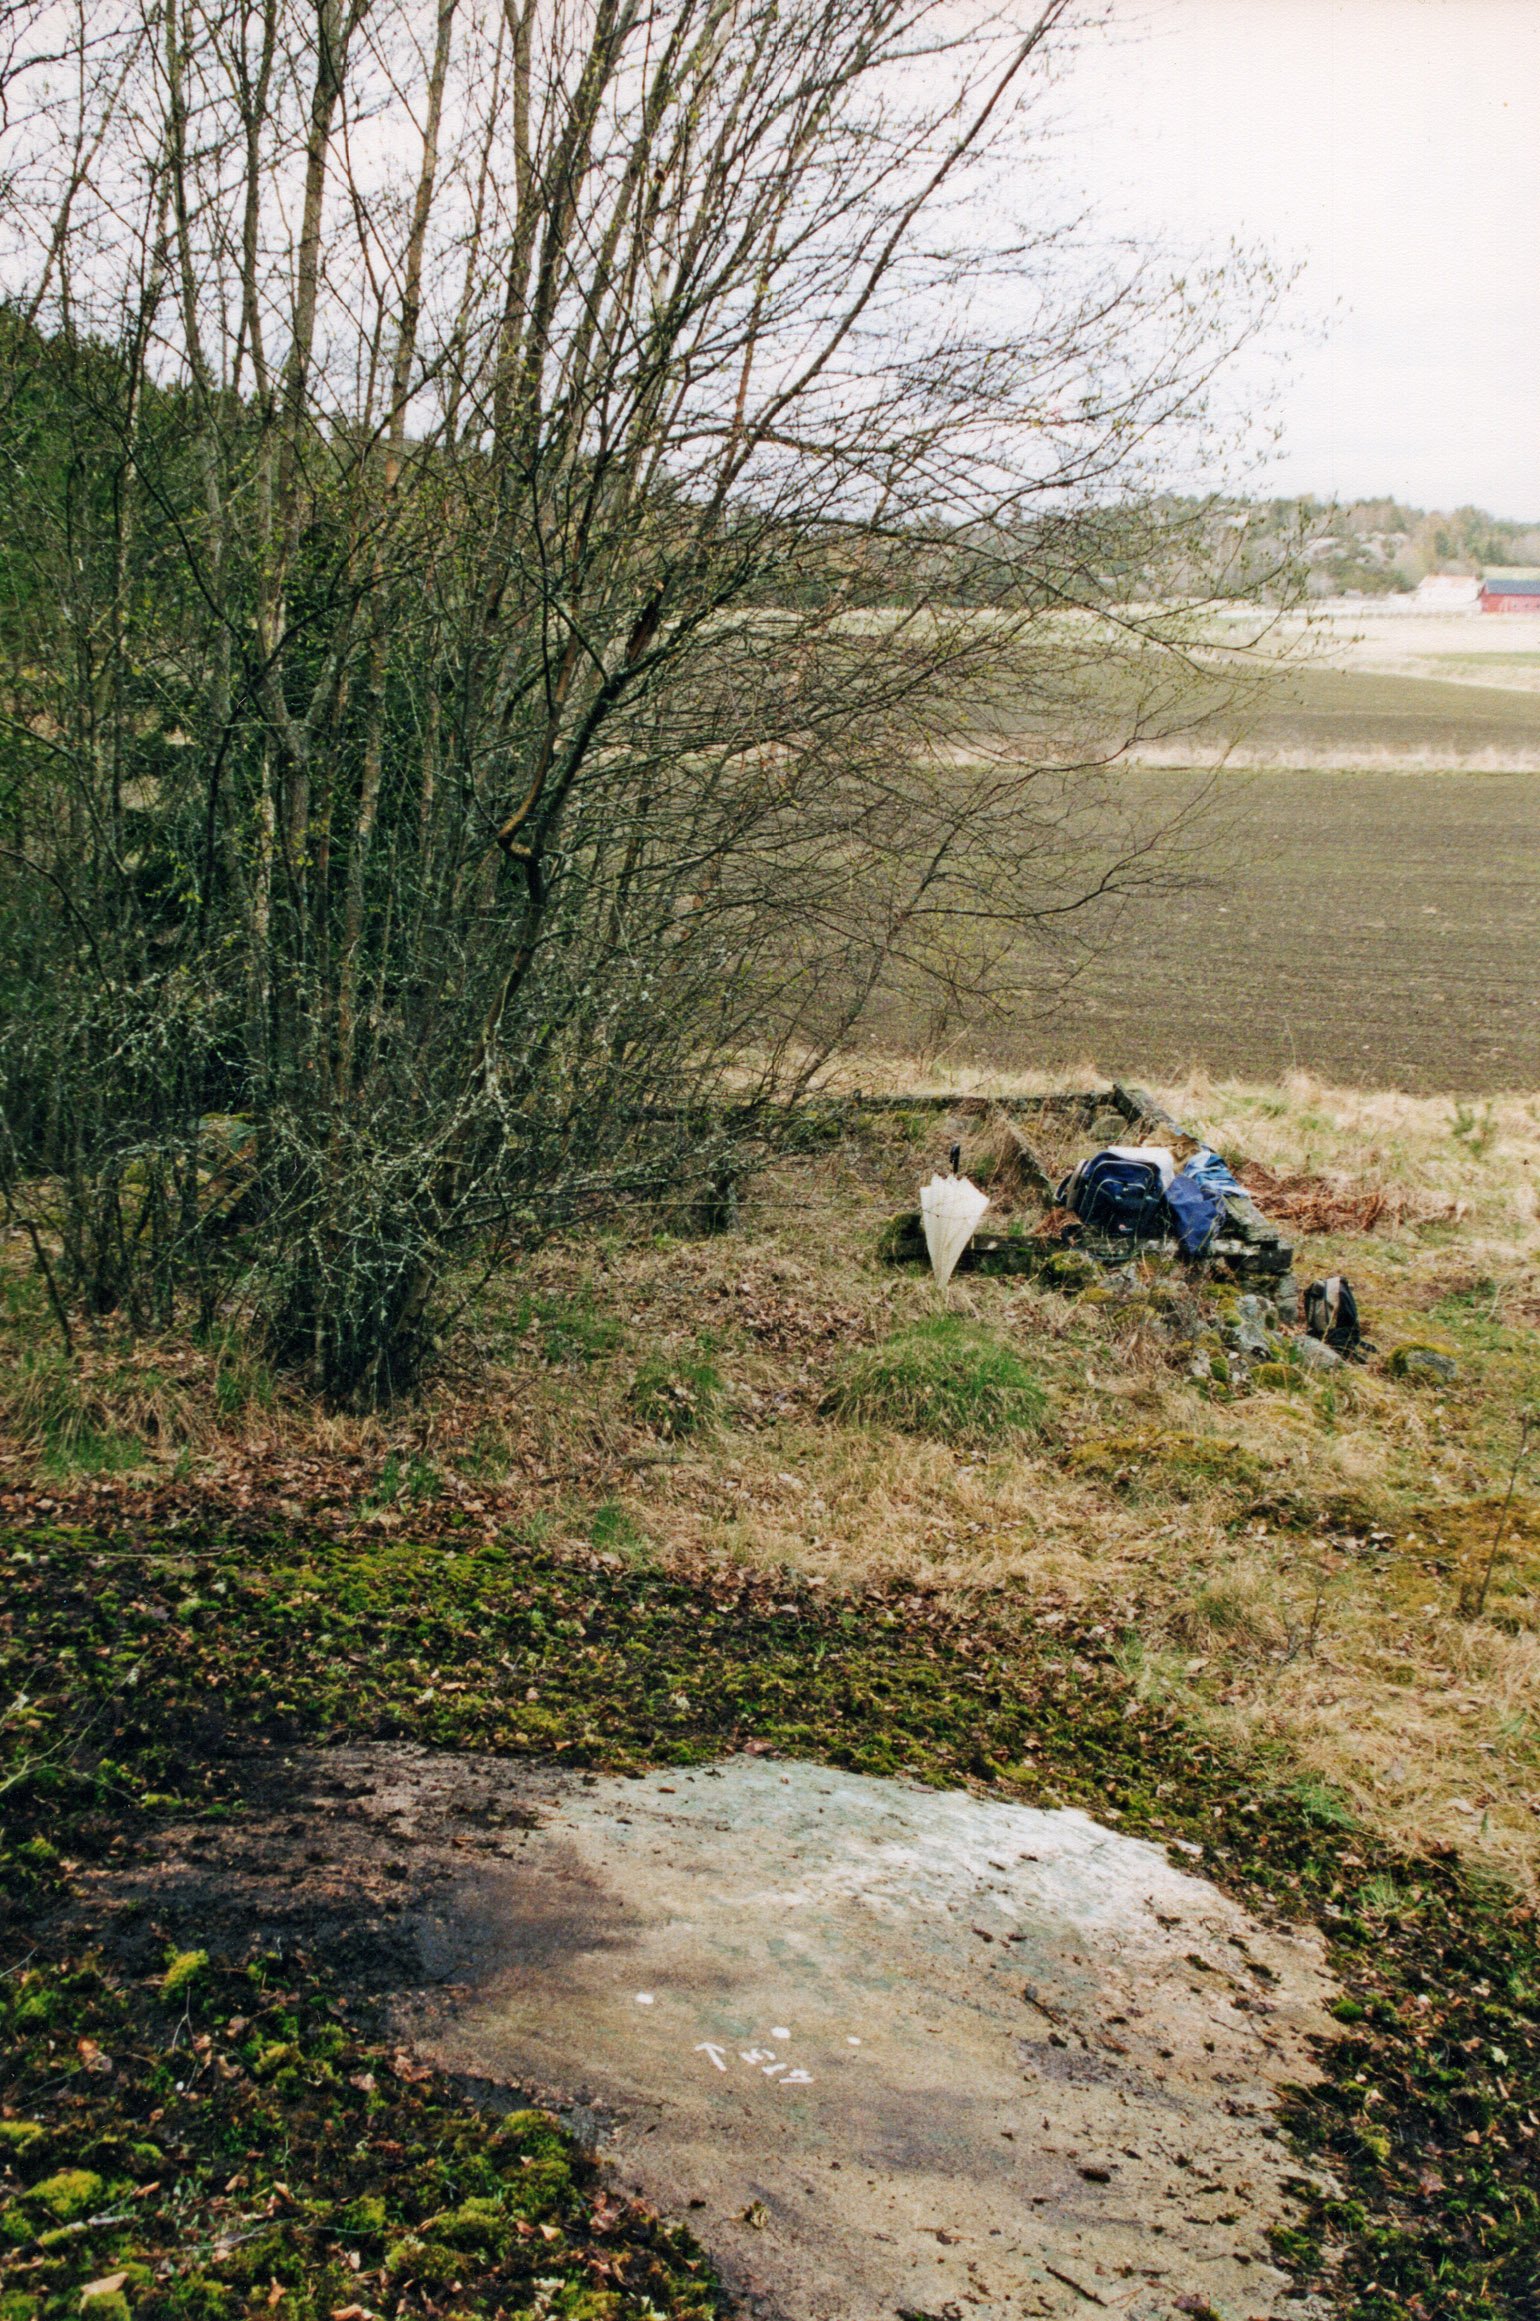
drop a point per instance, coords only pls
(1427, 2114)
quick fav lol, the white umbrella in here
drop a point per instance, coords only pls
(950, 1208)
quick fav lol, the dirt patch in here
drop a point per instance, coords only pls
(886, 2048)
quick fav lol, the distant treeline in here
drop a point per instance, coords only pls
(1375, 546)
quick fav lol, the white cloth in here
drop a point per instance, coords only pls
(1163, 1159)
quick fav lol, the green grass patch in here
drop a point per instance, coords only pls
(677, 1394)
(49, 1402)
(416, 1481)
(242, 1383)
(571, 1329)
(92, 1450)
(1324, 1805)
(615, 1527)
(944, 1377)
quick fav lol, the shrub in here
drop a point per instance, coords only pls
(944, 1377)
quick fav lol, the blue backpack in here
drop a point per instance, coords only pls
(1196, 1209)
(1207, 1168)
(1196, 1199)
(1122, 1198)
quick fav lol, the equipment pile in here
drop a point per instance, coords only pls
(1152, 1223)
(1150, 1190)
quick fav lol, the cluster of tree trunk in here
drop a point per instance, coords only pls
(548, 552)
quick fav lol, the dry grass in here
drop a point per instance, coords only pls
(1289, 1564)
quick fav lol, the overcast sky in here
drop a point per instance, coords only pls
(1394, 145)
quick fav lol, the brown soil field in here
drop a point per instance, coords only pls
(1350, 718)
(1372, 928)
(1344, 709)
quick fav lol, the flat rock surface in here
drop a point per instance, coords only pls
(888, 2050)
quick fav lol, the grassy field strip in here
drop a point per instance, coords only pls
(1501, 650)
(1182, 756)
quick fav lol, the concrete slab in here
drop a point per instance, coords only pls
(887, 2050)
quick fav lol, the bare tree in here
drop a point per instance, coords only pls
(555, 557)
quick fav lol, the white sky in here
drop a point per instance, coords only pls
(1394, 145)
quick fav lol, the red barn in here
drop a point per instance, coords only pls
(1511, 588)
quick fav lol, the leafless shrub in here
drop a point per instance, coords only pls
(535, 583)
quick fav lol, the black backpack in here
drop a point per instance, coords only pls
(1116, 1196)
(1331, 1314)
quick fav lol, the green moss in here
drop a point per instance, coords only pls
(72, 2192)
(542, 2186)
(104, 2305)
(338, 1637)
(1068, 1270)
(182, 1973)
(18, 2137)
(476, 2223)
(283, 2055)
(427, 2262)
(1423, 1358)
(1156, 1459)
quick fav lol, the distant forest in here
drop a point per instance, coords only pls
(1374, 547)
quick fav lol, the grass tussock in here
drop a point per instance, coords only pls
(944, 1377)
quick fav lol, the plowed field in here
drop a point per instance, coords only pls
(1362, 718)
(1375, 927)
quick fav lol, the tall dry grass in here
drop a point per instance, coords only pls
(1288, 1564)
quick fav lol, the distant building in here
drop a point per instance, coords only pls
(1511, 588)
(1448, 592)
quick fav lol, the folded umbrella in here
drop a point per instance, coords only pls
(950, 1208)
